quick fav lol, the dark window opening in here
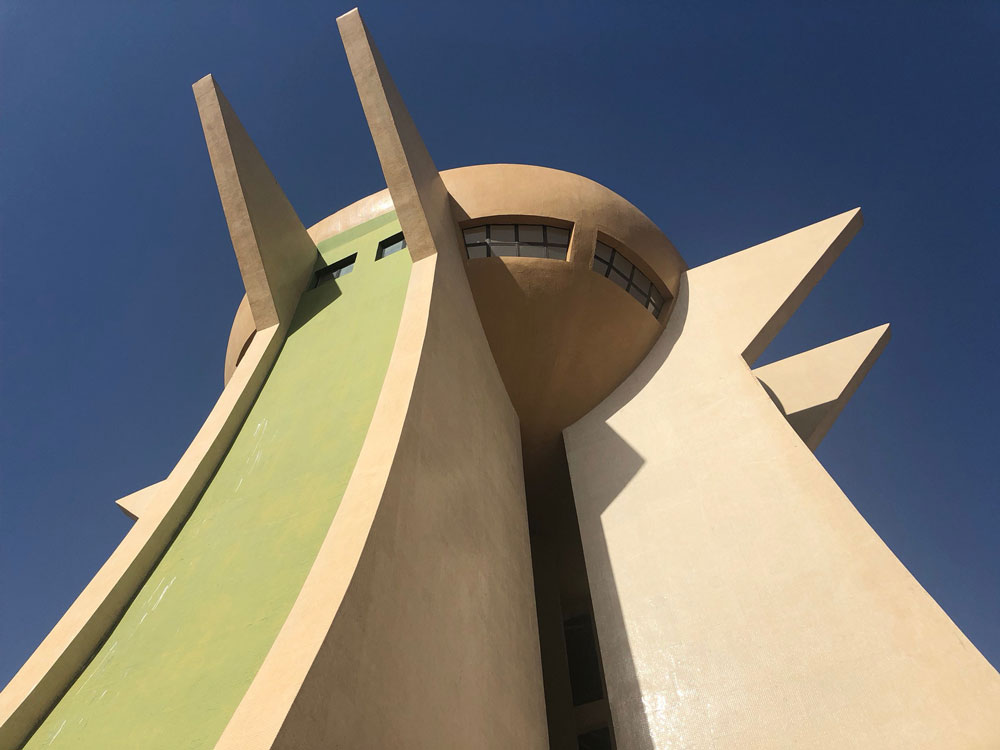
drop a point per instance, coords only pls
(336, 270)
(567, 636)
(390, 245)
(597, 739)
(517, 240)
(614, 266)
(584, 663)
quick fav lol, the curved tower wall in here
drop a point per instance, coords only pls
(488, 500)
(741, 600)
(178, 662)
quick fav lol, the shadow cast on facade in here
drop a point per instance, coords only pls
(313, 302)
(627, 462)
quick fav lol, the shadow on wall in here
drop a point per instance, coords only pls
(634, 733)
(313, 302)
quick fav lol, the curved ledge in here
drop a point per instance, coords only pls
(491, 190)
(359, 212)
(563, 336)
(384, 618)
(55, 663)
(240, 336)
(518, 190)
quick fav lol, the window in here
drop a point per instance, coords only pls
(336, 270)
(390, 245)
(523, 240)
(584, 665)
(613, 265)
(598, 739)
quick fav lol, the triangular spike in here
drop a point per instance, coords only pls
(758, 289)
(418, 193)
(812, 388)
(135, 505)
(273, 249)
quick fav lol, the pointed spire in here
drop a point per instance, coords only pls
(812, 388)
(759, 288)
(418, 193)
(274, 252)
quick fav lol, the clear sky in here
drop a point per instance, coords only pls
(726, 123)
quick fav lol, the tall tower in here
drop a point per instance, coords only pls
(492, 468)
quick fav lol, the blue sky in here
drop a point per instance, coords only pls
(726, 123)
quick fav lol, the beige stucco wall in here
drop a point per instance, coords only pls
(812, 388)
(741, 600)
(274, 252)
(242, 331)
(563, 337)
(135, 504)
(520, 190)
(416, 625)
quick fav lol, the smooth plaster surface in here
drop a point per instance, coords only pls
(276, 257)
(273, 249)
(136, 503)
(563, 337)
(416, 625)
(677, 675)
(812, 388)
(179, 661)
(57, 661)
(741, 600)
(242, 331)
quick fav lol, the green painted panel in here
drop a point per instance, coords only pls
(336, 247)
(173, 670)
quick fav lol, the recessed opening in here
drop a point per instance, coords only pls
(572, 673)
(612, 265)
(336, 270)
(596, 739)
(390, 245)
(517, 240)
(584, 663)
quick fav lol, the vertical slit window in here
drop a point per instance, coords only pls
(596, 739)
(581, 653)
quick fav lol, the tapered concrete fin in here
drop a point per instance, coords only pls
(758, 289)
(812, 388)
(134, 505)
(274, 252)
(418, 193)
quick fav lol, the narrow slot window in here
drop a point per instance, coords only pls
(581, 653)
(336, 270)
(390, 245)
(596, 739)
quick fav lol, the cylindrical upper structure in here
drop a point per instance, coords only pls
(565, 329)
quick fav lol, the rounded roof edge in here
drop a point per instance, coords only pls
(486, 190)
(521, 190)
